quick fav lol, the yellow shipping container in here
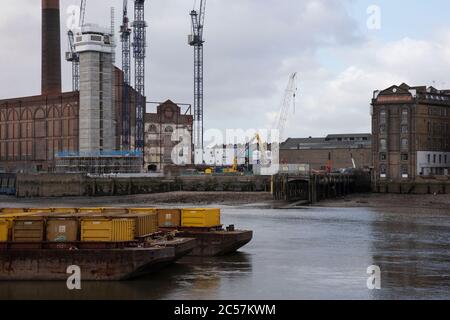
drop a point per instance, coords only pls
(141, 210)
(114, 211)
(107, 230)
(13, 210)
(200, 218)
(39, 210)
(64, 210)
(90, 210)
(145, 223)
(4, 230)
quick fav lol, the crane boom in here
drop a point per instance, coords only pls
(72, 55)
(289, 97)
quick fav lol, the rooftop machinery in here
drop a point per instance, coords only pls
(125, 32)
(72, 55)
(139, 53)
(196, 40)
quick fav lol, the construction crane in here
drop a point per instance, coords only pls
(139, 53)
(72, 55)
(289, 97)
(125, 32)
(196, 40)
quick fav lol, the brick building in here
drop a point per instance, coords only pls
(335, 151)
(160, 142)
(410, 127)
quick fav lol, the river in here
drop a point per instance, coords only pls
(311, 253)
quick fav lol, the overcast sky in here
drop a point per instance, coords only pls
(251, 48)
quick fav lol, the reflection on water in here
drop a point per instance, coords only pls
(296, 254)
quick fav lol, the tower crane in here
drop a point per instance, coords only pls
(72, 55)
(196, 40)
(125, 32)
(139, 53)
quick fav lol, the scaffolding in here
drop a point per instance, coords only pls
(99, 163)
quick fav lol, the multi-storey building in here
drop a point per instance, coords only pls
(410, 128)
(164, 134)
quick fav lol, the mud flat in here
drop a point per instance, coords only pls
(391, 201)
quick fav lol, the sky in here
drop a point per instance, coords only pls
(343, 50)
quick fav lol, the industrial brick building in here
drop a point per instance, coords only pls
(333, 152)
(410, 127)
(162, 137)
(48, 131)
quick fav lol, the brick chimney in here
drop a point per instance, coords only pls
(51, 48)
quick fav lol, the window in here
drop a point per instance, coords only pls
(429, 158)
(434, 158)
(383, 145)
(152, 128)
(445, 159)
(383, 129)
(383, 171)
(382, 117)
(404, 170)
(404, 157)
(383, 156)
(405, 144)
(404, 116)
(440, 158)
(169, 130)
(404, 129)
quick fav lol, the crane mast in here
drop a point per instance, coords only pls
(196, 41)
(72, 55)
(139, 53)
(125, 32)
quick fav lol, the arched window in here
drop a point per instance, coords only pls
(383, 116)
(405, 116)
(405, 144)
(383, 145)
(168, 129)
(152, 128)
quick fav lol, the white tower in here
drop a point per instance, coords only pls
(95, 46)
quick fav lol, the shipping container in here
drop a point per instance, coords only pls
(28, 229)
(4, 230)
(114, 211)
(107, 230)
(90, 210)
(200, 218)
(145, 223)
(40, 210)
(169, 218)
(13, 210)
(123, 230)
(62, 230)
(64, 210)
(141, 210)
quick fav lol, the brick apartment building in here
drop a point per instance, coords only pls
(410, 128)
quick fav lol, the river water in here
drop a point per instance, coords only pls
(311, 253)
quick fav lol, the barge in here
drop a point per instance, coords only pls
(22, 262)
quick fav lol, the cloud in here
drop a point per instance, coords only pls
(251, 48)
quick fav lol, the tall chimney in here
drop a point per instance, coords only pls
(51, 48)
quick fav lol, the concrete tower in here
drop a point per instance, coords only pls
(51, 48)
(97, 113)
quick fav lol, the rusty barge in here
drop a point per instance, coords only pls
(17, 263)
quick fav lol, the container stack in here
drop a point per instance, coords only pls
(98, 225)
